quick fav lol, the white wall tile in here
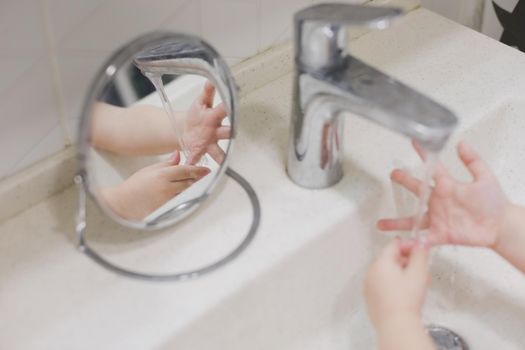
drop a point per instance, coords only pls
(276, 20)
(186, 19)
(466, 12)
(118, 21)
(230, 26)
(79, 63)
(28, 114)
(77, 71)
(50, 144)
(28, 104)
(21, 28)
(11, 68)
(67, 15)
(22, 39)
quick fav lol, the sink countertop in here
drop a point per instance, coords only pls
(51, 296)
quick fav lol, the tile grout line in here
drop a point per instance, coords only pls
(55, 70)
(258, 32)
(36, 145)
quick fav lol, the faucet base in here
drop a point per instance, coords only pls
(301, 180)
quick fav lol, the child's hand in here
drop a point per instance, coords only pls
(459, 213)
(203, 127)
(395, 285)
(151, 187)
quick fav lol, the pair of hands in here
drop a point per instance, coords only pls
(152, 186)
(459, 213)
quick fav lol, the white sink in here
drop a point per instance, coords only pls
(313, 298)
(474, 292)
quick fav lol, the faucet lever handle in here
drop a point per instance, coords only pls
(320, 34)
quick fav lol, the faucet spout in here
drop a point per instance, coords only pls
(324, 92)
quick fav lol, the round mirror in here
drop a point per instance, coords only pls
(157, 129)
(155, 135)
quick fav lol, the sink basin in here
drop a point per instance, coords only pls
(313, 298)
(475, 292)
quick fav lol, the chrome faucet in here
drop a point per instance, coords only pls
(330, 82)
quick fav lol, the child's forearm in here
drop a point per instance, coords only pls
(511, 238)
(139, 130)
(404, 333)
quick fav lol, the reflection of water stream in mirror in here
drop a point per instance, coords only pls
(156, 80)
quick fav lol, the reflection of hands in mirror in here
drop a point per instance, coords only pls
(134, 131)
(147, 130)
(151, 187)
(203, 127)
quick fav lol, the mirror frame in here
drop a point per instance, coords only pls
(101, 80)
(226, 87)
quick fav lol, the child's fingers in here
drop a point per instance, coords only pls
(419, 150)
(444, 187)
(224, 133)
(407, 181)
(216, 153)
(476, 166)
(218, 113)
(193, 158)
(208, 94)
(397, 224)
(391, 251)
(186, 172)
(440, 172)
(406, 246)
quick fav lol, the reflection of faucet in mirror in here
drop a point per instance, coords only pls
(329, 82)
(189, 57)
(146, 130)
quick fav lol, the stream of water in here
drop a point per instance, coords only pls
(156, 80)
(418, 231)
(424, 196)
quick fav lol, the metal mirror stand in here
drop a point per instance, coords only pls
(84, 247)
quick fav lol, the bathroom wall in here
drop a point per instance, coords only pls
(466, 12)
(51, 49)
(476, 14)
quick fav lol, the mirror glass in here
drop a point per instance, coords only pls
(157, 130)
